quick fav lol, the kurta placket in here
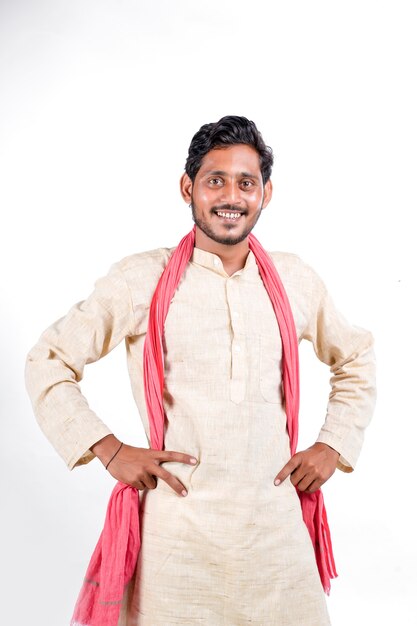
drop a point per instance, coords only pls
(238, 338)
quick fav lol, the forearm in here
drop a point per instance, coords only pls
(61, 409)
(350, 407)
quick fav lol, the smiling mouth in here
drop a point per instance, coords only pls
(232, 216)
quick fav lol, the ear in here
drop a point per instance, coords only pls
(186, 187)
(267, 193)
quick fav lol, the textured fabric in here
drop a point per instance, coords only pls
(210, 558)
(113, 562)
(153, 351)
(312, 504)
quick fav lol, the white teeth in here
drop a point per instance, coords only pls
(230, 216)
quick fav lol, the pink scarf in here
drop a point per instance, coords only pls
(114, 559)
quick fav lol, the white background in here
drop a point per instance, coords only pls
(99, 100)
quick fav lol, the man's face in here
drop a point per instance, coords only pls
(228, 194)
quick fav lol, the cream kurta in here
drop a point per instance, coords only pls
(235, 550)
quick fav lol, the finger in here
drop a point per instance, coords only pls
(149, 481)
(304, 474)
(288, 469)
(172, 481)
(169, 455)
(315, 485)
(137, 483)
(305, 483)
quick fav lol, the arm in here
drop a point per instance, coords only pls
(54, 368)
(348, 351)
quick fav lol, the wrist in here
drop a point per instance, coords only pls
(106, 448)
(321, 444)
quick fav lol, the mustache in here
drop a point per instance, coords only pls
(227, 207)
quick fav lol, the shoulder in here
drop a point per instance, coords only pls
(294, 272)
(304, 287)
(143, 267)
(138, 274)
(142, 261)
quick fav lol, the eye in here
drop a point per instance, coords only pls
(215, 181)
(247, 184)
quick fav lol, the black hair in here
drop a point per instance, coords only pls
(228, 131)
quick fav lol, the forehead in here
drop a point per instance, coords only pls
(231, 159)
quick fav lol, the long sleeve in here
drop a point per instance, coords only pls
(348, 350)
(55, 365)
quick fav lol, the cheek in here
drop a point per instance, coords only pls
(255, 199)
(205, 198)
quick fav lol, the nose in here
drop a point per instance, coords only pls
(231, 193)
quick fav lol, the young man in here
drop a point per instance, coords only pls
(222, 530)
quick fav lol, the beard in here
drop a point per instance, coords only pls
(227, 240)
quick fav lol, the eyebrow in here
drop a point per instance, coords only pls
(223, 173)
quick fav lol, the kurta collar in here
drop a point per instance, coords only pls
(213, 262)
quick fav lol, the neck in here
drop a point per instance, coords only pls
(233, 257)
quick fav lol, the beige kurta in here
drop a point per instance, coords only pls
(235, 551)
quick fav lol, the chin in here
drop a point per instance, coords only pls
(229, 239)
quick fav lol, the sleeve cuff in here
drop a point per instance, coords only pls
(343, 464)
(82, 454)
